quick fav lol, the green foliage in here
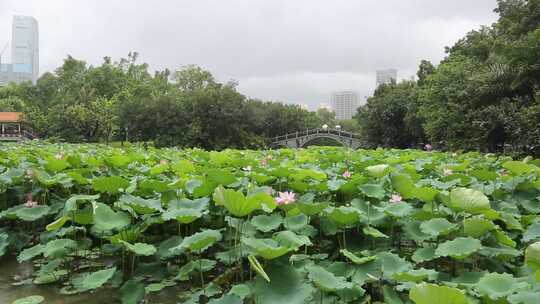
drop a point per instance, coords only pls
(466, 235)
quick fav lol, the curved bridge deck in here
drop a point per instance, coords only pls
(301, 138)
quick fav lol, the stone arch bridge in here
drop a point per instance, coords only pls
(301, 139)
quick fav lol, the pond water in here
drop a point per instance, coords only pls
(9, 267)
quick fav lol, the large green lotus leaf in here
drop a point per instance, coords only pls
(266, 248)
(201, 265)
(477, 226)
(105, 219)
(54, 165)
(458, 248)
(183, 167)
(392, 263)
(504, 239)
(239, 205)
(186, 211)
(325, 280)
(304, 174)
(335, 184)
(524, 297)
(285, 286)
(4, 243)
(519, 168)
(154, 185)
(532, 233)
(109, 184)
(267, 223)
(30, 253)
(344, 216)
(437, 227)
(378, 170)
(32, 214)
(310, 209)
(221, 177)
(426, 194)
(72, 202)
(391, 296)
(424, 254)
(497, 285)
(373, 190)
(140, 248)
(404, 185)
(29, 300)
(291, 240)
(401, 209)
(356, 259)
(296, 222)
(183, 215)
(59, 248)
(84, 216)
(532, 256)
(469, 200)
(412, 231)
(374, 232)
(241, 290)
(350, 294)
(118, 160)
(90, 281)
(164, 248)
(132, 292)
(367, 272)
(200, 241)
(141, 205)
(50, 277)
(415, 275)
(431, 294)
(159, 169)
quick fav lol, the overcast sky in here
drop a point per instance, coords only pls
(295, 51)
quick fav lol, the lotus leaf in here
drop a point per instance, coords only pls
(458, 248)
(469, 200)
(431, 293)
(266, 223)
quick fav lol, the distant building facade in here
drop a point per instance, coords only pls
(345, 104)
(24, 52)
(386, 76)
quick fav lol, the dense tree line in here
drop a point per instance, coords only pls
(483, 95)
(118, 100)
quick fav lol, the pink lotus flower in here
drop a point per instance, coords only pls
(163, 162)
(447, 172)
(59, 156)
(285, 198)
(428, 147)
(264, 162)
(396, 198)
(347, 174)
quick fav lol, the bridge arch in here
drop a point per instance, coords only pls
(301, 139)
(330, 137)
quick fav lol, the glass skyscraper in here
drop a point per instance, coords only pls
(24, 52)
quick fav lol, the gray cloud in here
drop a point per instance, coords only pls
(293, 51)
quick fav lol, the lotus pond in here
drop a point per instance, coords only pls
(317, 225)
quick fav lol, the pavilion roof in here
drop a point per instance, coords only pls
(11, 116)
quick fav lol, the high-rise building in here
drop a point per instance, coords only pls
(24, 52)
(386, 76)
(345, 104)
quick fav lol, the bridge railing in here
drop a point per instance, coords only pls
(320, 131)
